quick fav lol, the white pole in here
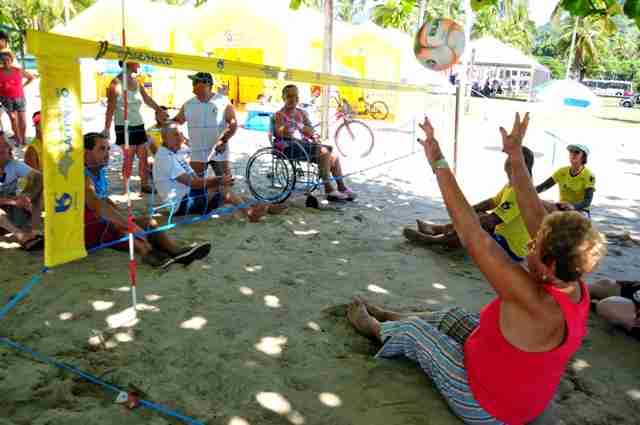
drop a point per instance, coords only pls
(66, 12)
(327, 62)
(125, 83)
(463, 81)
(423, 8)
(571, 50)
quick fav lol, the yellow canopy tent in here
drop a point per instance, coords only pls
(149, 25)
(249, 31)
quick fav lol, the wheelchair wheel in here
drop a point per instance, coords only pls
(307, 172)
(354, 138)
(270, 175)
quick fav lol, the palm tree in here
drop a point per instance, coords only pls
(591, 37)
(509, 22)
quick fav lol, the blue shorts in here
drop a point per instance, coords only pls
(503, 243)
(197, 203)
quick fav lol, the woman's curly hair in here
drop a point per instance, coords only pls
(571, 240)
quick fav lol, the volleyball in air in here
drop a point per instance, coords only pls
(439, 44)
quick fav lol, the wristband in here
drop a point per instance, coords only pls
(440, 164)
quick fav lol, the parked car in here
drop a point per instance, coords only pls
(631, 101)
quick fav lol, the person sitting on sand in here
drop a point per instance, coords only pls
(502, 366)
(178, 184)
(619, 303)
(18, 210)
(293, 125)
(576, 182)
(33, 150)
(105, 223)
(504, 223)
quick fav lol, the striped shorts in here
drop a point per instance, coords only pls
(435, 341)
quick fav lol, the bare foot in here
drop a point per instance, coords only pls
(362, 321)
(256, 212)
(427, 228)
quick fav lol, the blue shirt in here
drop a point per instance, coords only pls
(13, 170)
(100, 182)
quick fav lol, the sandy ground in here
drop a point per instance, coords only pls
(256, 333)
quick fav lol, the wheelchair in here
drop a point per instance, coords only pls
(272, 176)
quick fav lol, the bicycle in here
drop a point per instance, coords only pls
(352, 137)
(378, 109)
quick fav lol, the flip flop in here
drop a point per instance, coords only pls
(35, 244)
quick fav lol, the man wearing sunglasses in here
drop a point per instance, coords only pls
(576, 182)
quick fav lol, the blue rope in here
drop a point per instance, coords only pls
(94, 380)
(35, 280)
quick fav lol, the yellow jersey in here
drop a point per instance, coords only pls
(36, 145)
(572, 188)
(512, 227)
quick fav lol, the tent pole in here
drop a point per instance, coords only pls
(327, 64)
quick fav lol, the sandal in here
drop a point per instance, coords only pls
(34, 244)
(350, 194)
(335, 196)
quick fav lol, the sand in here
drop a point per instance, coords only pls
(256, 333)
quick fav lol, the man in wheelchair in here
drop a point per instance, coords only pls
(292, 124)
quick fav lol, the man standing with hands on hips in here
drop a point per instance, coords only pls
(211, 121)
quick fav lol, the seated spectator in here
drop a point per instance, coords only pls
(33, 151)
(104, 222)
(504, 223)
(504, 365)
(293, 124)
(576, 182)
(18, 210)
(177, 182)
(619, 303)
(12, 96)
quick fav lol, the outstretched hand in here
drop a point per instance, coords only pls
(512, 142)
(429, 143)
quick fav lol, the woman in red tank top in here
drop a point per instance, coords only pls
(502, 366)
(12, 95)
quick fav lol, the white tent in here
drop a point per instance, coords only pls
(503, 62)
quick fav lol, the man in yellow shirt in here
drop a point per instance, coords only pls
(576, 182)
(499, 216)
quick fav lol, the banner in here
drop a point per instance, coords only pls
(63, 159)
(63, 46)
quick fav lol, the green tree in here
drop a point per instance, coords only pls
(509, 23)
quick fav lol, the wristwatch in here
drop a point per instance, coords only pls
(439, 164)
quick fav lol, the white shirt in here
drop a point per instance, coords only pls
(205, 121)
(167, 167)
(13, 170)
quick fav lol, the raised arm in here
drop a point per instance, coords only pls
(161, 114)
(531, 207)
(507, 278)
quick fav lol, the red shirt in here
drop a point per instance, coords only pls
(516, 386)
(11, 83)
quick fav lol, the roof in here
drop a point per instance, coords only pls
(489, 51)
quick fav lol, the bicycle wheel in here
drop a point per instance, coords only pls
(379, 110)
(354, 138)
(270, 175)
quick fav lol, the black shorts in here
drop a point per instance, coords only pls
(197, 203)
(303, 151)
(630, 290)
(137, 135)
